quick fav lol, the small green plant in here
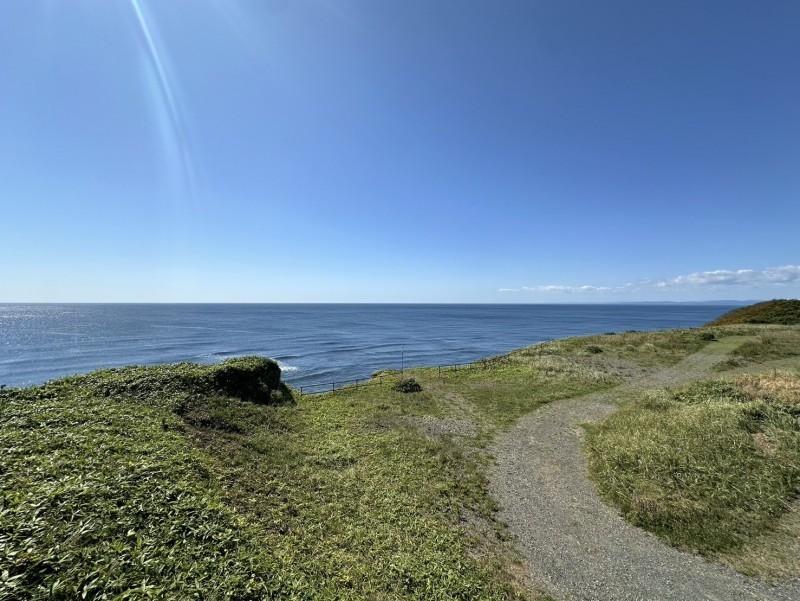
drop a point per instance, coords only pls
(407, 385)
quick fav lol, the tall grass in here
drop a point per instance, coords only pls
(709, 467)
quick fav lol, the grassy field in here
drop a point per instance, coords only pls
(185, 481)
(712, 467)
(769, 345)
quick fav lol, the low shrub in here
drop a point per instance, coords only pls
(407, 385)
(247, 378)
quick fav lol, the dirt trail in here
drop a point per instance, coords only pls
(577, 547)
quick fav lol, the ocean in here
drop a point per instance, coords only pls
(312, 342)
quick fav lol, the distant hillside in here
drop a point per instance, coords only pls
(780, 311)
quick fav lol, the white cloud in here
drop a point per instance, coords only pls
(740, 277)
(771, 276)
(562, 288)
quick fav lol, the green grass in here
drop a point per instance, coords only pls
(769, 345)
(358, 502)
(647, 349)
(778, 312)
(211, 482)
(148, 482)
(514, 385)
(102, 499)
(711, 467)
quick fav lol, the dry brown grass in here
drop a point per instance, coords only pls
(779, 386)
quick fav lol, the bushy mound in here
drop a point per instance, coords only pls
(407, 385)
(247, 378)
(709, 467)
(779, 312)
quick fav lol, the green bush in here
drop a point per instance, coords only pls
(246, 378)
(407, 385)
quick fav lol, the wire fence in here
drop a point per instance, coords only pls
(337, 385)
(383, 379)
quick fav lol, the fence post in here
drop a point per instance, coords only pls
(333, 385)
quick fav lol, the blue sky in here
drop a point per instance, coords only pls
(415, 151)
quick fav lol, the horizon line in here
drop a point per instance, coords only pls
(635, 302)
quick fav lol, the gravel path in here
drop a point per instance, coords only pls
(574, 545)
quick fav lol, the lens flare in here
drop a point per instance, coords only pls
(170, 124)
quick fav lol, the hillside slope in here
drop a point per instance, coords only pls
(779, 312)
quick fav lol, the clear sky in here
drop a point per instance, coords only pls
(419, 151)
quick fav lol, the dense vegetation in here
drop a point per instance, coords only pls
(778, 312)
(103, 495)
(710, 467)
(188, 481)
(215, 482)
